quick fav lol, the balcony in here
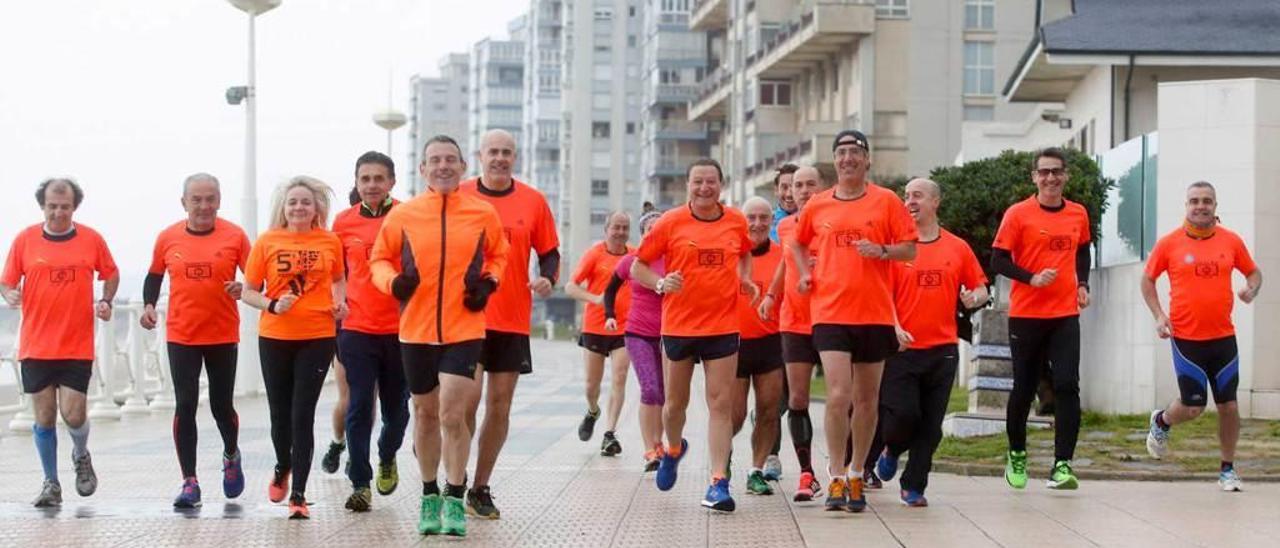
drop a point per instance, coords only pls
(712, 102)
(670, 166)
(824, 29)
(675, 93)
(679, 130)
(709, 15)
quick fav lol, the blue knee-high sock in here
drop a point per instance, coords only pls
(80, 437)
(47, 447)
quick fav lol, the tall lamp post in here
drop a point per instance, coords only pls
(247, 381)
(390, 120)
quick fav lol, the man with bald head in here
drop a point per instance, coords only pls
(590, 279)
(760, 350)
(917, 380)
(529, 225)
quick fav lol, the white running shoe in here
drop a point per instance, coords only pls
(1157, 438)
(772, 468)
(1230, 481)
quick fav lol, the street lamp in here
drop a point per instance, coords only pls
(246, 381)
(389, 120)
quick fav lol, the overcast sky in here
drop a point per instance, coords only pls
(126, 96)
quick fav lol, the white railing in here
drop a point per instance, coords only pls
(130, 377)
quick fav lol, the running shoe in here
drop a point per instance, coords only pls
(887, 465)
(756, 484)
(298, 507)
(718, 497)
(1063, 477)
(651, 459)
(332, 457)
(86, 479)
(857, 499)
(480, 503)
(772, 468)
(1230, 481)
(1157, 438)
(429, 515)
(871, 480)
(588, 426)
(189, 497)
(609, 446)
(453, 519)
(232, 476)
(808, 486)
(1015, 469)
(669, 468)
(388, 477)
(913, 498)
(50, 495)
(361, 500)
(279, 485)
(837, 495)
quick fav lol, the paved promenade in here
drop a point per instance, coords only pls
(554, 490)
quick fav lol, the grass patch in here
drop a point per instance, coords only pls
(959, 401)
(818, 388)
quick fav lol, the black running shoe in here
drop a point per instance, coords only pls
(609, 446)
(480, 503)
(332, 457)
(588, 426)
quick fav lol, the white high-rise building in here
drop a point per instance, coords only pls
(437, 106)
(540, 143)
(497, 91)
(675, 60)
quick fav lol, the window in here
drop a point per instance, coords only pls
(600, 130)
(980, 14)
(979, 68)
(631, 128)
(775, 93)
(599, 187)
(631, 40)
(598, 217)
(979, 113)
(891, 8)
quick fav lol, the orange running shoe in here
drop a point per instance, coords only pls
(279, 486)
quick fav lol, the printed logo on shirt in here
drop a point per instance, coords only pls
(1060, 243)
(1206, 269)
(847, 238)
(62, 275)
(304, 260)
(711, 257)
(199, 271)
(929, 278)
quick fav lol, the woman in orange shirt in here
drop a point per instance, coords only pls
(295, 275)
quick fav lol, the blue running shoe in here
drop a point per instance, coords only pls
(232, 476)
(914, 499)
(669, 468)
(718, 497)
(190, 495)
(886, 465)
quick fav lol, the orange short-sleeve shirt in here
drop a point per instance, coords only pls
(200, 311)
(371, 311)
(1200, 296)
(925, 289)
(763, 265)
(1037, 239)
(594, 272)
(306, 264)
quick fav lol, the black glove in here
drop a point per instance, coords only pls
(403, 286)
(476, 295)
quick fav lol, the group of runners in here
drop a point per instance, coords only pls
(428, 302)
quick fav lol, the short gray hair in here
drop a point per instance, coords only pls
(197, 177)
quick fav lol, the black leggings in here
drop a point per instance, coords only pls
(1035, 342)
(185, 361)
(294, 372)
(913, 401)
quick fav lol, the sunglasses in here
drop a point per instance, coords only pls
(1047, 171)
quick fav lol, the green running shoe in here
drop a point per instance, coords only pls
(429, 515)
(1063, 477)
(453, 518)
(1015, 469)
(756, 484)
(388, 477)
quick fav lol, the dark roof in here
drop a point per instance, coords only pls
(1167, 27)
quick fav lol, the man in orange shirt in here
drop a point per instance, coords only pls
(1043, 246)
(760, 349)
(529, 225)
(49, 273)
(917, 381)
(368, 340)
(856, 228)
(590, 279)
(1199, 257)
(441, 255)
(707, 255)
(201, 255)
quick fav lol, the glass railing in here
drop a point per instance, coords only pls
(1129, 224)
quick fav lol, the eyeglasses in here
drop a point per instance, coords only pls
(1047, 171)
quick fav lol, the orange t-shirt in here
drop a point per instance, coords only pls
(371, 311)
(448, 239)
(925, 289)
(594, 271)
(200, 311)
(528, 224)
(1200, 296)
(706, 253)
(305, 263)
(794, 316)
(57, 291)
(763, 267)
(849, 289)
(1039, 239)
